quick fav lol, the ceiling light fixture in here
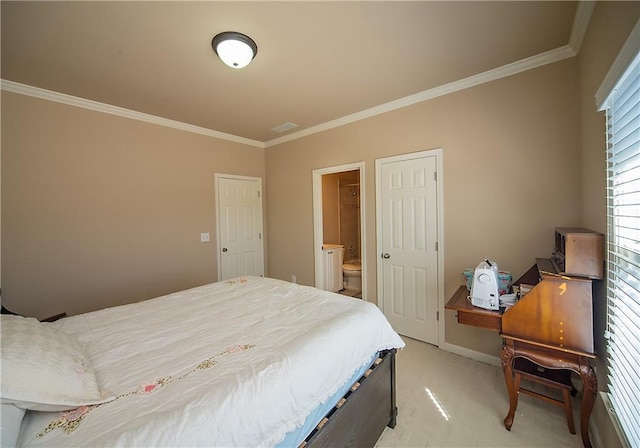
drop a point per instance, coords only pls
(234, 49)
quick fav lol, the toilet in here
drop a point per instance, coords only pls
(352, 270)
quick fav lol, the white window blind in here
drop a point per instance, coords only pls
(623, 247)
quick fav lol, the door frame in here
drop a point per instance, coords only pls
(217, 177)
(438, 154)
(318, 232)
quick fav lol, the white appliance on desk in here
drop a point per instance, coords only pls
(484, 289)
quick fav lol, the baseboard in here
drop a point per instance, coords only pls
(471, 354)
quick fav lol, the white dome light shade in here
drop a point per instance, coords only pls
(234, 49)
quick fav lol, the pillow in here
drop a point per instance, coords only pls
(11, 417)
(44, 369)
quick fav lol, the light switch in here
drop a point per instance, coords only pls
(204, 237)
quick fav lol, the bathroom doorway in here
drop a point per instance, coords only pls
(338, 215)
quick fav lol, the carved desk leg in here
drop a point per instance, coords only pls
(507, 369)
(590, 387)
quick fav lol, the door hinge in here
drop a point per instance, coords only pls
(259, 236)
(435, 176)
(258, 193)
(438, 315)
(436, 246)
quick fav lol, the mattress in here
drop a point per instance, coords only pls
(300, 433)
(235, 363)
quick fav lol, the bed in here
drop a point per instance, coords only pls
(246, 362)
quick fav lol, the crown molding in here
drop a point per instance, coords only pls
(583, 15)
(580, 24)
(36, 92)
(532, 62)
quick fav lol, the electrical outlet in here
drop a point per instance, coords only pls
(294, 279)
(204, 237)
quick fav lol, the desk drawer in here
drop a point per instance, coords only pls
(490, 322)
(471, 315)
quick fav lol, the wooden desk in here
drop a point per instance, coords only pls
(558, 353)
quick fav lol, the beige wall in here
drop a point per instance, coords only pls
(349, 205)
(610, 25)
(99, 210)
(340, 217)
(511, 174)
(331, 208)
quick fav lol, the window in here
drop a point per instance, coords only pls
(623, 250)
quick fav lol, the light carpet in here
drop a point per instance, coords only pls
(446, 400)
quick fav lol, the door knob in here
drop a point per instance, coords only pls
(224, 249)
(386, 255)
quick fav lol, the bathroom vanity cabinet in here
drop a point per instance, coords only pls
(333, 255)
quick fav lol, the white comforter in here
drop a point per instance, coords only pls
(279, 349)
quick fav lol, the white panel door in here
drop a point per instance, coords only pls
(408, 195)
(240, 227)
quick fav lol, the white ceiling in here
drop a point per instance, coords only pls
(318, 62)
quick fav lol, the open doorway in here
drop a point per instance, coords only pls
(339, 231)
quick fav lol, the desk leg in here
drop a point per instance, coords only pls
(507, 369)
(589, 389)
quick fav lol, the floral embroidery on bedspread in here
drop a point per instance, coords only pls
(69, 420)
(233, 281)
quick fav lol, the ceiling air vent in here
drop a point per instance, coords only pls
(284, 127)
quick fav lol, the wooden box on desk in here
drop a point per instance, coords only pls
(579, 252)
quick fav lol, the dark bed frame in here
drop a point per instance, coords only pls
(362, 414)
